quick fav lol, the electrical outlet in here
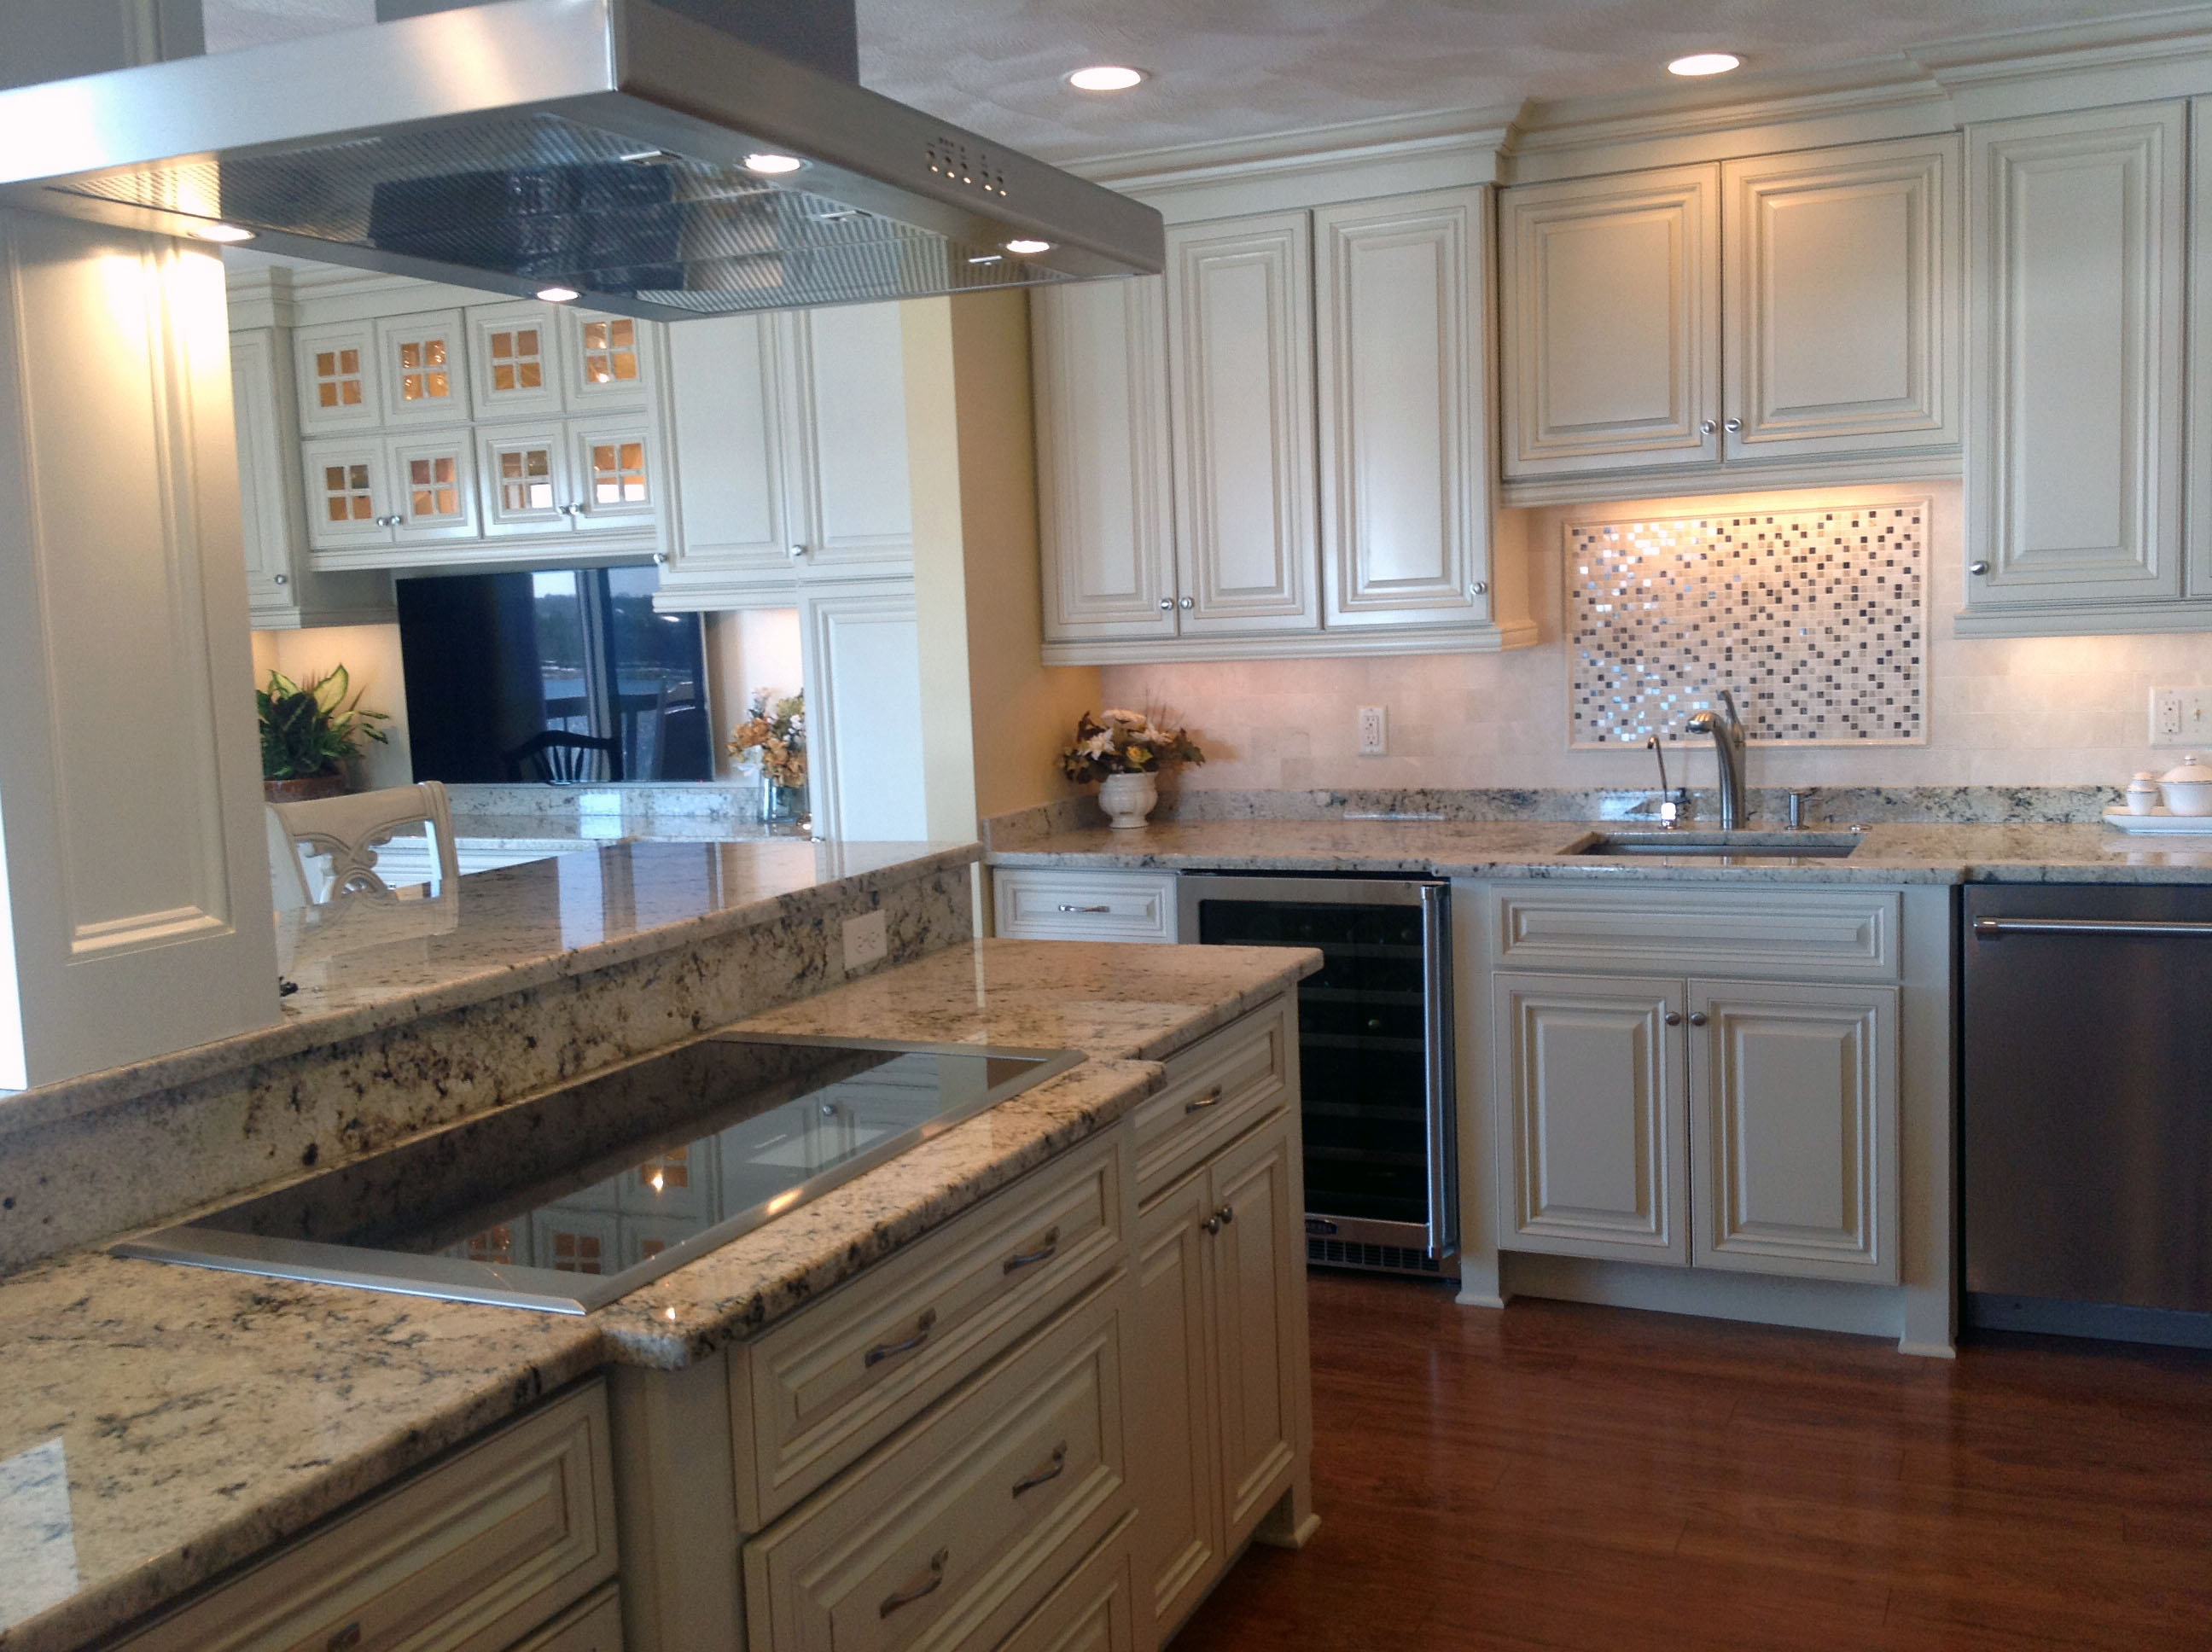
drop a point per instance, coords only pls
(1374, 730)
(867, 940)
(2181, 717)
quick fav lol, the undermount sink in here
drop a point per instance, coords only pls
(1727, 846)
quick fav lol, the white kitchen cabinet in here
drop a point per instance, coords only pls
(1592, 1148)
(514, 350)
(1793, 1122)
(335, 365)
(386, 502)
(607, 362)
(1610, 338)
(1240, 371)
(861, 649)
(1401, 298)
(422, 368)
(791, 458)
(283, 590)
(1218, 1371)
(1104, 499)
(1841, 296)
(2074, 478)
(1033, 903)
(1795, 309)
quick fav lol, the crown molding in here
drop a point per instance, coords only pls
(1425, 131)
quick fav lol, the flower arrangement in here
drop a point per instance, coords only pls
(307, 729)
(776, 728)
(1125, 743)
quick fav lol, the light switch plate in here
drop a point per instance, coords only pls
(1374, 731)
(2181, 717)
(867, 939)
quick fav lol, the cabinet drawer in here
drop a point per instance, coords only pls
(1094, 1610)
(1085, 906)
(948, 1537)
(1215, 1091)
(820, 1389)
(592, 1625)
(465, 1557)
(1839, 932)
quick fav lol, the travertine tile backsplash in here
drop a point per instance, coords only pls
(2057, 710)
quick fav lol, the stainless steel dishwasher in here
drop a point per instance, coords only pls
(2087, 1128)
(1375, 1053)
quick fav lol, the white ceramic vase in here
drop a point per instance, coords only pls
(1127, 799)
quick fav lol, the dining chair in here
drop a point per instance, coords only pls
(349, 829)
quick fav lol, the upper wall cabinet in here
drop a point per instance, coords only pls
(2075, 461)
(1794, 312)
(1281, 447)
(791, 458)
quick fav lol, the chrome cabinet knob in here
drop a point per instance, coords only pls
(1479, 588)
(799, 553)
(1186, 603)
(1978, 567)
(1673, 1018)
(1707, 426)
(1696, 1017)
(1167, 605)
(1733, 425)
(281, 579)
(660, 559)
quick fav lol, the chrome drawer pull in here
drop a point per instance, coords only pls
(1030, 1482)
(884, 1351)
(907, 1597)
(1043, 1252)
(1991, 928)
(1064, 907)
(1199, 1104)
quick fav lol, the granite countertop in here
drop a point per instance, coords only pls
(160, 1424)
(1895, 852)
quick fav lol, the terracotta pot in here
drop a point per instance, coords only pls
(1127, 799)
(305, 789)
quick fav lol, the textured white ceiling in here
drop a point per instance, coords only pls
(1238, 69)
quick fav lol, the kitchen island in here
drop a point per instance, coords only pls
(162, 1424)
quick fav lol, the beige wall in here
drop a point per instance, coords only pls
(370, 654)
(977, 593)
(2039, 711)
(748, 648)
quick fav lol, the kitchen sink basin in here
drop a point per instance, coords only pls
(1726, 847)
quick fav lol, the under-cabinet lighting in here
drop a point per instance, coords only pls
(559, 295)
(773, 165)
(1106, 77)
(221, 232)
(1025, 249)
(1705, 62)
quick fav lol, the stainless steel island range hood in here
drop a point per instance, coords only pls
(651, 162)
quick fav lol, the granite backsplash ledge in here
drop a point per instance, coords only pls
(1866, 805)
(707, 939)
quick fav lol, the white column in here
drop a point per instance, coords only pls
(135, 908)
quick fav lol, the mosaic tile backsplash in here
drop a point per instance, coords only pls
(1816, 619)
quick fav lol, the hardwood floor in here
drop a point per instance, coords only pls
(1557, 1476)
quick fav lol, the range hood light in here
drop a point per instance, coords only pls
(220, 232)
(772, 166)
(987, 257)
(1028, 249)
(559, 295)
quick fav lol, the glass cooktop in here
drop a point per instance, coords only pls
(575, 1198)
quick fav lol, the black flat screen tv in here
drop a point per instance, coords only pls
(557, 675)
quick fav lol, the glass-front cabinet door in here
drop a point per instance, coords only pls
(609, 363)
(348, 494)
(514, 361)
(614, 463)
(335, 368)
(524, 480)
(434, 487)
(420, 361)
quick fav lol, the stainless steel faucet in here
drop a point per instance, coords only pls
(1728, 751)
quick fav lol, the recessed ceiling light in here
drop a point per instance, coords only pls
(773, 164)
(221, 232)
(1106, 77)
(1705, 62)
(559, 295)
(1025, 249)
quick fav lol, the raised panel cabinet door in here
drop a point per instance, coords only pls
(728, 456)
(2074, 339)
(844, 373)
(335, 365)
(422, 365)
(1401, 367)
(862, 648)
(1240, 371)
(2197, 507)
(1592, 1151)
(1843, 300)
(1172, 1465)
(263, 466)
(1609, 336)
(528, 486)
(1793, 1129)
(348, 493)
(515, 360)
(1257, 1261)
(433, 486)
(1103, 497)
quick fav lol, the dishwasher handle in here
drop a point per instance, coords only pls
(1993, 928)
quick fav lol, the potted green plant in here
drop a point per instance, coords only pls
(307, 730)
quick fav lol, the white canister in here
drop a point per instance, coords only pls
(2188, 789)
(2142, 793)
